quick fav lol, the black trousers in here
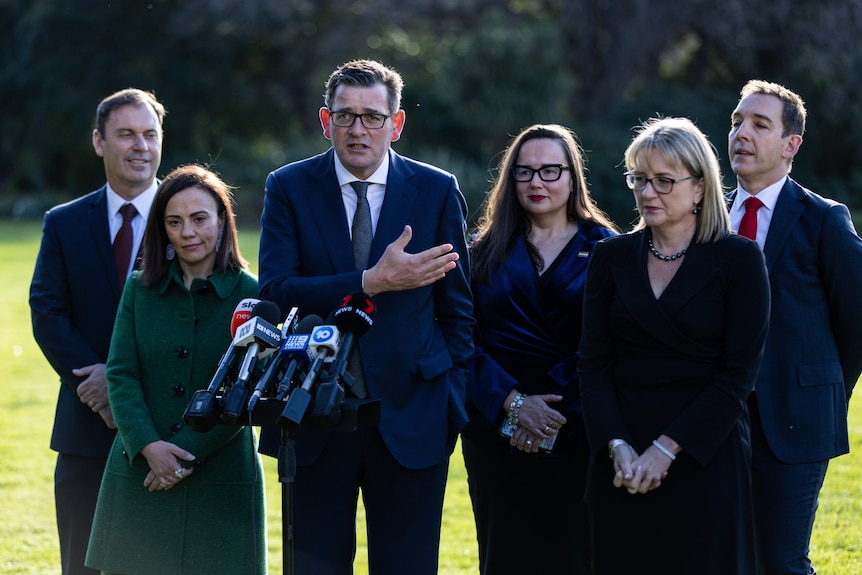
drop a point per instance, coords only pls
(76, 489)
(529, 510)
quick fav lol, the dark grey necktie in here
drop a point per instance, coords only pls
(362, 236)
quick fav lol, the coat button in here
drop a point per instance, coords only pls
(179, 390)
(175, 428)
(182, 352)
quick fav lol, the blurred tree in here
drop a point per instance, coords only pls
(243, 80)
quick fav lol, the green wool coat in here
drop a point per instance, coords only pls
(166, 345)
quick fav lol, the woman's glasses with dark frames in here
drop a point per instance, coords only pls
(661, 184)
(547, 173)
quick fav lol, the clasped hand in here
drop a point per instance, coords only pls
(93, 391)
(537, 421)
(398, 270)
(639, 473)
(164, 458)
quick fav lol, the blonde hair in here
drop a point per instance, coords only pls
(681, 144)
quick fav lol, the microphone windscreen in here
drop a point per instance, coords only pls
(356, 314)
(267, 311)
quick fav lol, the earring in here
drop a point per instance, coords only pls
(696, 210)
(218, 239)
(170, 252)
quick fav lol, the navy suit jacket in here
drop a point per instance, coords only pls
(813, 353)
(73, 302)
(416, 354)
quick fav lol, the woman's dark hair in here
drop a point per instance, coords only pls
(504, 219)
(228, 256)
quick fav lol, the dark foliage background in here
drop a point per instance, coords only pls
(243, 80)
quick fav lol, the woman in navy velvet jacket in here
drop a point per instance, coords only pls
(529, 261)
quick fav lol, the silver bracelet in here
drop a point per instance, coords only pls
(613, 444)
(515, 409)
(664, 449)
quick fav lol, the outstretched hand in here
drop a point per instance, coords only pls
(398, 270)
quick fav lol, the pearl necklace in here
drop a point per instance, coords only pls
(660, 255)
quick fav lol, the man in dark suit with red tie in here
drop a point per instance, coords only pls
(813, 353)
(89, 246)
(414, 358)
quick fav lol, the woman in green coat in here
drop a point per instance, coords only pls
(174, 500)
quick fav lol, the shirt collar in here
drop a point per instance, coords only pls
(378, 177)
(768, 195)
(142, 202)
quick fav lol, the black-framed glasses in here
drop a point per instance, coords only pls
(661, 184)
(547, 173)
(346, 119)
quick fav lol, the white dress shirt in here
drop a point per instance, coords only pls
(769, 197)
(142, 203)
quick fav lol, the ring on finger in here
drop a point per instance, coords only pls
(529, 442)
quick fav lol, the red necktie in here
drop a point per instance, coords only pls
(123, 244)
(748, 225)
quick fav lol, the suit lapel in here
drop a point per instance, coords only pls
(100, 235)
(728, 200)
(397, 203)
(788, 209)
(327, 210)
(656, 316)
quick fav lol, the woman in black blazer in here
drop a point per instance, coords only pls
(675, 318)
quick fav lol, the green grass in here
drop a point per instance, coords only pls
(28, 541)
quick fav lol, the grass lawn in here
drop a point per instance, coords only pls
(28, 541)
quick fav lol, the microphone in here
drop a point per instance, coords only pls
(260, 338)
(323, 345)
(201, 413)
(276, 361)
(294, 349)
(353, 319)
(242, 313)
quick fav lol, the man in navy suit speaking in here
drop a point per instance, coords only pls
(813, 353)
(76, 287)
(413, 359)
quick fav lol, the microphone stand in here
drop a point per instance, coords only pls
(286, 476)
(353, 413)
